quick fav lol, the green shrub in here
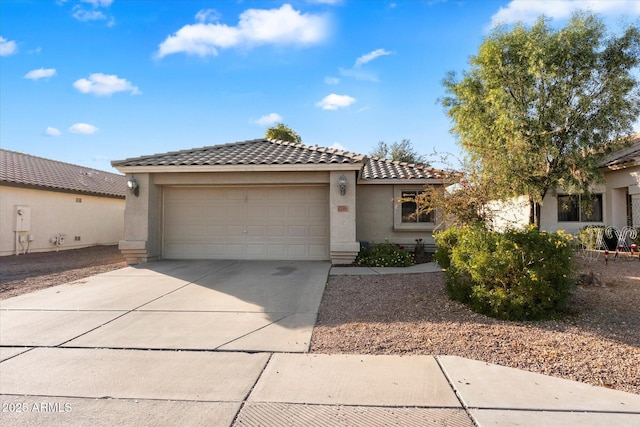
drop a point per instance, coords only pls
(517, 275)
(384, 255)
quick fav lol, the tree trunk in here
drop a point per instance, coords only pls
(534, 213)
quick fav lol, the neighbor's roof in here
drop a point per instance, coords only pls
(274, 152)
(630, 156)
(30, 171)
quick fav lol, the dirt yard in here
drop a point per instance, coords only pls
(27, 273)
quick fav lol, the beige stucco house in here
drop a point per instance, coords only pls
(46, 205)
(616, 202)
(268, 199)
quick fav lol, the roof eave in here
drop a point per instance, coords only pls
(401, 181)
(242, 168)
(62, 190)
(620, 166)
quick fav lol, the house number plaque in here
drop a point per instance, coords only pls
(343, 208)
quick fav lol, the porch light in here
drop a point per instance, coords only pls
(342, 182)
(133, 186)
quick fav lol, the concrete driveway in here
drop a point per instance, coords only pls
(178, 305)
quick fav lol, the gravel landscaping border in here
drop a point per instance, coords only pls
(21, 274)
(598, 343)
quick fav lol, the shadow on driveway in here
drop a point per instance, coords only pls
(203, 305)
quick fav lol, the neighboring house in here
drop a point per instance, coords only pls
(46, 205)
(268, 199)
(614, 203)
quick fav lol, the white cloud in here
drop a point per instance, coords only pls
(52, 131)
(331, 80)
(105, 85)
(83, 128)
(256, 27)
(334, 101)
(7, 47)
(98, 3)
(269, 119)
(84, 15)
(208, 15)
(40, 73)
(528, 11)
(359, 74)
(338, 146)
(368, 57)
(325, 1)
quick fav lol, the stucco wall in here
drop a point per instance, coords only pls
(240, 178)
(515, 213)
(375, 216)
(143, 216)
(97, 220)
(508, 214)
(549, 214)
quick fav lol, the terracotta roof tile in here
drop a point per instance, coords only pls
(376, 168)
(274, 152)
(23, 169)
(253, 152)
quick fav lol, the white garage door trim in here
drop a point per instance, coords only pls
(241, 222)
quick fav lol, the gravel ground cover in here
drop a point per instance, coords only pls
(598, 343)
(29, 272)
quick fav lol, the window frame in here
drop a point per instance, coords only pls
(398, 223)
(580, 215)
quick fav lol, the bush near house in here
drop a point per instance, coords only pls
(516, 275)
(384, 255)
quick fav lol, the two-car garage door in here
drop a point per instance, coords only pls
(261, 222)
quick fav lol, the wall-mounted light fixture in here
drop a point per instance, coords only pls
(342, 182)
(133, 186)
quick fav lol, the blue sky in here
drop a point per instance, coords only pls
(90, 81)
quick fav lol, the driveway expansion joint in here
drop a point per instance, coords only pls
(246, 397)
(466, 408)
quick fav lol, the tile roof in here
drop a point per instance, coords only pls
(253, 152)
(375, 168)
(274, 152)
(627, 157)
(25, 170)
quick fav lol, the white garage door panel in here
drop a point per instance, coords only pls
(246, 223)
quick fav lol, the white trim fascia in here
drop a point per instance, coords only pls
(241, 168)
(621, 166)
(400, 181)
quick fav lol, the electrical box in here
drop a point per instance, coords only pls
(23, 218)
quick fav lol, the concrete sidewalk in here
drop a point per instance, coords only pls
(429, 267)
(223, 344)
(105, 387)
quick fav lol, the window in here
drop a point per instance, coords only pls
(405, 209)
(574, 208)
(410, 209)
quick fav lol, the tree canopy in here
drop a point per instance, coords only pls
(283, 132)
(539, 109)
(402, 151)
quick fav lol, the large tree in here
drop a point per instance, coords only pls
(402, 151)
(283, 132)
(539, 108)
